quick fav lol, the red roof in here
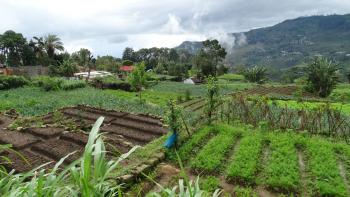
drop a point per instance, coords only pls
(126, 68)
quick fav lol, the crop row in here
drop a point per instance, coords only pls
(282, 169)
(244, 163)
(283, 162)
(323, 167)
(213, 153)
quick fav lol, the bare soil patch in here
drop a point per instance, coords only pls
(51, 143)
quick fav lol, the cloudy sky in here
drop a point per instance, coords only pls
(108, 26)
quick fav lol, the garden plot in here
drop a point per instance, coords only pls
(278, 90)
(280, 163)
(50, 143)
(194, 105)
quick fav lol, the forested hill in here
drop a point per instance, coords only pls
(292, 42)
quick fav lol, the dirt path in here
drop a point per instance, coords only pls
(301, 161)
(343, 175)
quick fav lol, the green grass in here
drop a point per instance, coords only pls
(282, 170)
(30, 101)
(244, 165)
(323, 167)
(212, 156)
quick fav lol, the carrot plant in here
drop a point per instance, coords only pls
(244, 163)
(282, 170)
(322, 164)
(211, 157)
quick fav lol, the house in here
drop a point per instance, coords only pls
(124, 71)
(193, 80)
(4, 70)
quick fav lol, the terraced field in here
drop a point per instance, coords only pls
(278, 90)
(195, 105)
(49, 144)
(277, 163)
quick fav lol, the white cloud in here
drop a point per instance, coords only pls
(108, 26)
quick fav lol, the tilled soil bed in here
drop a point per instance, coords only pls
(49, 144)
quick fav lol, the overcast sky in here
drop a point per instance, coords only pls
(108, 26)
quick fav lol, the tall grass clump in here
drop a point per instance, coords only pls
(87, 176)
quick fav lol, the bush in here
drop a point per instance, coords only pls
(111, 83)
(321, 77)
(72, 84)
(55, 83)
(8, 82)
(256, 74)
(127, 63)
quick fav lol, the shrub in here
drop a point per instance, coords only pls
(127, 63)
(8, 82)
(55, 83)
(111, 82)
(72, 84)
(257, 74)
(321, 77)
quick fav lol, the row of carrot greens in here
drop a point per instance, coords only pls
(272, 159)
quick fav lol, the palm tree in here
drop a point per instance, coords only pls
(52, 43)
(38, 46)
(84, 58)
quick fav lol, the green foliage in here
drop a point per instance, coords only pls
(282, 170)
(187, 95)
(212, 98)
(137, 78)
(12, 45)
(67, 68)
(321, 77)
(191, 146)
(244, 165)
(245, 192)
(257, 74)
(30, 101)
(209, 183)
(8, 82)
(51, 44)
(211, 157)
(174, 117)
(232, 77)
(326, 179)
(72, 84)
(127, 63)
(208, 58)
(108, 63)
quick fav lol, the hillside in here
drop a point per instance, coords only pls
(292, 42)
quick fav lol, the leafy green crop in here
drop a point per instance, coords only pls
(211, 157)
(326, 178)
(244, 165)
(282, 170)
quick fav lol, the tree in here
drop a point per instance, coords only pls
(208, 58)
(321, 77)
(12, 45)
(51, 44)
(137, 78)
(108, 63)
(129, 54)
(84, 58)
(257, 74)
(212, 99)
(173, 55)
(348, 76)
(178, 70)
(68, 68)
